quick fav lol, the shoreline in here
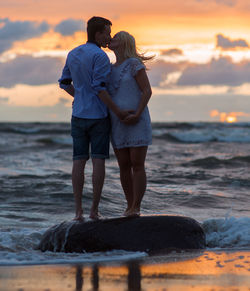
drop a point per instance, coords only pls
(196, 270)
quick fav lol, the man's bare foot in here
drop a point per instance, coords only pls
(95, 215)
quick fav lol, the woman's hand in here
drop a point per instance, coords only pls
(123, 114)
(131, 119)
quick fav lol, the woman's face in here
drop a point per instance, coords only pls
(114, 43)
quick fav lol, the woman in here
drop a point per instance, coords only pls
(130, 89)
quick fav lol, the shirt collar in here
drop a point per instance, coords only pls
(94, 42)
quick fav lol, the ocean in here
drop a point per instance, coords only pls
(200, 170)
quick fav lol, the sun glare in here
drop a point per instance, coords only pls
(228, 117)
(231, 119)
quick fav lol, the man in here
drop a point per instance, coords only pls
(88, 67)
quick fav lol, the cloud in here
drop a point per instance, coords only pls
(229, 3)
(57, 112)
(4, 99)
(11, 31)
(226, 43)
(30, 70)
(221, 71)
(172, 52)
(70, 26)
(159, 70)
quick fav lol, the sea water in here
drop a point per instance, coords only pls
(200, 170)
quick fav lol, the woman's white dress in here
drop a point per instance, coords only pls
(126, 93)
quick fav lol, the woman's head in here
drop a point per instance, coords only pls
(125, 44)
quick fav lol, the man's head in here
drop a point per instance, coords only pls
(98, 29)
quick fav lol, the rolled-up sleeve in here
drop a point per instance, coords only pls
(66, 79)
(101, 73)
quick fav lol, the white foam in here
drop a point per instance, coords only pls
(229, 232)
(208, 134)
(18, 247)
(37, 257)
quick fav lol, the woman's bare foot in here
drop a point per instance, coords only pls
(79, 218)
(126, 211)
(132, 213)
(95, 215)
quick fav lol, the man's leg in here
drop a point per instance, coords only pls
(97, 181)
(78, 182)
(99, 133)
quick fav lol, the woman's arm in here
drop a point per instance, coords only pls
(144, 85)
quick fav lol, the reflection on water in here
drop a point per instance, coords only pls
(95, 278)
(133, 277)
(79, 278)
(184, 271)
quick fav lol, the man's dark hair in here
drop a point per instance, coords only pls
(96, 24)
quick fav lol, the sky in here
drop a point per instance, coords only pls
(201, 69)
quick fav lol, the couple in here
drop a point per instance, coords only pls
(109, 100)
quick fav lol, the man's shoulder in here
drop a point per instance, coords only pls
(89, 48)
(76, 49)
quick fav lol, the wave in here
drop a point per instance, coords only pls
(35, 128)
(205, 135)
(18, 247)
(66, 141)
(227, 233)
(203, 132)
(171, 132)
(213, 162)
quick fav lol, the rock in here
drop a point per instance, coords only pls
(145, 233)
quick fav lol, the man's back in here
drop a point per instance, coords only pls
(89, 68)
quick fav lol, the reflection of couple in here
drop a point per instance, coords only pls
(123, 90)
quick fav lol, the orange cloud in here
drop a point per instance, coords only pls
(227, 44)
(163, 22)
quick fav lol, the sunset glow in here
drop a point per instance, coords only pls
(208, 271)
(201, 48)
(229, 117)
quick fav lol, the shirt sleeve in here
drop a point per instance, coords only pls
(66, 79)
(136, 66)
(101, 73)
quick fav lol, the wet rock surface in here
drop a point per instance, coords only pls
(145, 233)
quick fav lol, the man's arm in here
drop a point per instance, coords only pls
(106, 99)
(65, 82)
(101, 72)
(70, 90)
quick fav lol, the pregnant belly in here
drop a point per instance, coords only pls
(126, 102)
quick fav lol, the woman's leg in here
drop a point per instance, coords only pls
(123, 158)
(137, 158)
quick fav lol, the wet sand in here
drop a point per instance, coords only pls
(207, 270)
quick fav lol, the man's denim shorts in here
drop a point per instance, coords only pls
(94, 132)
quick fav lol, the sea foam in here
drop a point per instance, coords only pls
(227, 233)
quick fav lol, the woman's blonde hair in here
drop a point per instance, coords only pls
(130, 50)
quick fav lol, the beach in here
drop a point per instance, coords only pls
(208, 270)
(198, 170)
